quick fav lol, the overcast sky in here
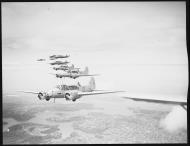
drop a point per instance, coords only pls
(111, 38)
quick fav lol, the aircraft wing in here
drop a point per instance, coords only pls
(88, 75)
(160, 100)
(97, 92)
(29, 92)
(62, 75)
(65, 75)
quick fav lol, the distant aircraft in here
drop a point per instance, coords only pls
(66, 68)
(53, 57)
(71, 93)
(72, 75)
(75, 75)
(59, 62)
(41, 60)
(177, 101)
(64, 65)
(61, 68)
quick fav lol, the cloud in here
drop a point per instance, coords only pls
(175, 121)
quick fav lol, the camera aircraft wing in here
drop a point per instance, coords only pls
(160, 100)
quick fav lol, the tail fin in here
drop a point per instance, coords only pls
(79, 86)
(92, 83)
(88, 88)
(85, 71)
(72, 66)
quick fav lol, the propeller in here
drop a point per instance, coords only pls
(40, 95)
(67, 96)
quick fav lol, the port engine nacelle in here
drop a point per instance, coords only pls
(72, 96)
(43, 96)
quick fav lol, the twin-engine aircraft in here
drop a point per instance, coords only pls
(53, 57)
(67, 68)
(71, 93)
(74, 74)
(41, 59)
(61, 68)
(59, 62)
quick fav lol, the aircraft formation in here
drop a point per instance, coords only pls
(69, 92)
(74, 92)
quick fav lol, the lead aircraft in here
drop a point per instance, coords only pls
(71, 93)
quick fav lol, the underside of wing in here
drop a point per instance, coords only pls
(160, 100)
(29, 92)
(97, 92)
(89, 75)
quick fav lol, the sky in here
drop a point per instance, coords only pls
(139, 47)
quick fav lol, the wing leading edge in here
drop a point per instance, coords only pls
(97, 92)
(88, 75)
(29, 92)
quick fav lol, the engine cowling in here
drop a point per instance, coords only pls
(40, 95)
(47, 98)
(73, 76)
(72, 96)
(43, 95)
(67, 96)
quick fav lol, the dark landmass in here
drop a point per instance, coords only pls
(93, 127)
(5, 123)
(75, 138)
(65, 119)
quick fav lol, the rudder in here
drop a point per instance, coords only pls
(85, 71)
(92, 83)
